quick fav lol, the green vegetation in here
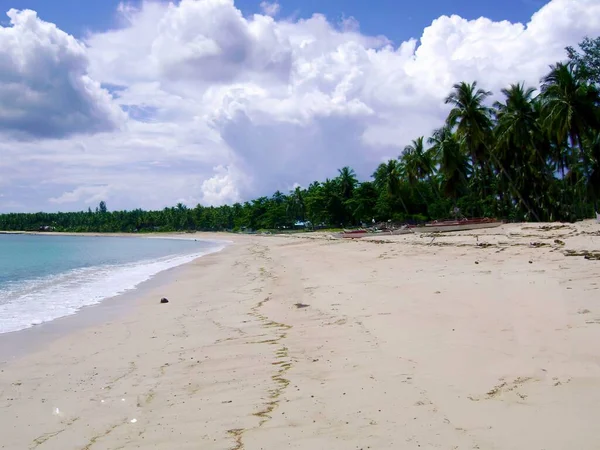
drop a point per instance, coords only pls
(529, 156)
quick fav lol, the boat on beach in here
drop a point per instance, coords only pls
(357, 234)
(437, 226)
(397, 231)
(353, 234)
(444, 226)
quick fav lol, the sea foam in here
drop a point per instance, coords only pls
(40, 300)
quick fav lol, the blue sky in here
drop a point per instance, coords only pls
(399, 20)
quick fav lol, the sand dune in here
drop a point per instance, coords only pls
(483, 340)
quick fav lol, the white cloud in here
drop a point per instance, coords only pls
(206, 41)
(270, 8)
(45, 90)
(225, 107)
(221, 188)
(85, 194)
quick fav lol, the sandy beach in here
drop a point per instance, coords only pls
(471, 340)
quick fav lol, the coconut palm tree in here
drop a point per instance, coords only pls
(347, 181)
(516, 118)
(522, 165)
(570, 106)
(593, 186)
(471, 119)
(546, 144)
(570, 112)
(387, 180)
(453, 165)
(416, 161)
(296, 209)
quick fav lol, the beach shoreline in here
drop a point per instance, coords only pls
(474, 340)
(166, 264)
(19, 343)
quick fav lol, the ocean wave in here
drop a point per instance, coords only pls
(33, 302)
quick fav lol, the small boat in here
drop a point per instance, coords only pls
(353, 234)
(444, 226)
(393, 232)
(357, 234)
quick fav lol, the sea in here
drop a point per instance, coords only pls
(45, 277)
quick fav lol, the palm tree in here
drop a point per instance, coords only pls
(516, 118)
(347, 181)
(594, 176)
(471, 118)
(570, 112)
(364, 201)
(407, 168)
(315, 203)
(570, 105)
(453, 165)
(546, 143)
(517, 132)
(416, 161)
(295, 205)
(387, 179)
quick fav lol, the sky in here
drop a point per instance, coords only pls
(147, 104)
(398, 20)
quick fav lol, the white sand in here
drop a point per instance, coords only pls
(406, 342)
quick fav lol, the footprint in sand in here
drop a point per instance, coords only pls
(505, 387)
(338, 322)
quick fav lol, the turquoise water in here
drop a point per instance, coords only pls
(43, 278)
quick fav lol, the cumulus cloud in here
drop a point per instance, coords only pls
(45, 90)
(224, 107)
(207, 41)
(87, 194)
(221, 187)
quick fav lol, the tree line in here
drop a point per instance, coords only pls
(533, 155)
